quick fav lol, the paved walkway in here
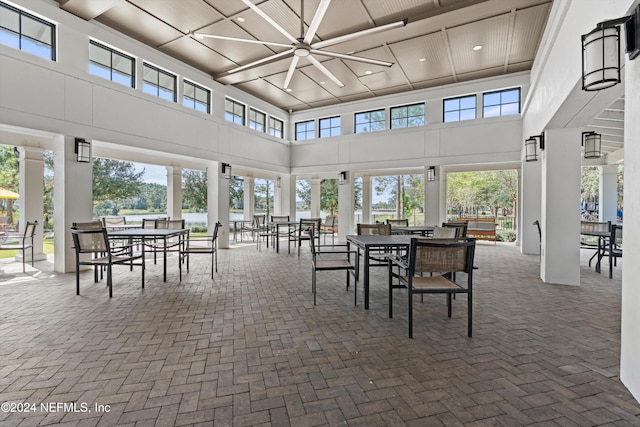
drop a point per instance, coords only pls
(251, 349)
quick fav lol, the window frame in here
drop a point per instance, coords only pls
(306, 131)
(233, 114)
(330, 127)
(459, 109)
(160, 71)
(272, 130)
(112, 51)
(407, 117)
(384, 121)
(21, 35)
(502, 104)
(251, 122)
(196, 87)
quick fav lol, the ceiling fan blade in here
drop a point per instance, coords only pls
(324, 69)
(357, 34)
(236, 39)
(273, 23)
(315, 23)
(351, 57)
(292, 68)
(261, 61)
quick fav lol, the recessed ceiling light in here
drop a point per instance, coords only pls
(368, 72)
(323, 83)
(241, 19)
(422, 59)
(288, 89)
(477, 47)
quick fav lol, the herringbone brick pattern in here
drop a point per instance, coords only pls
(251, 349)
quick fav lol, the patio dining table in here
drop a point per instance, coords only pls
(143, 234)
(602, 236)
(422, 230)
(275, 225)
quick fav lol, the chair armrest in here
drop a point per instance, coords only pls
(399, 261)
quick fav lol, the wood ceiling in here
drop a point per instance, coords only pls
(434, 48)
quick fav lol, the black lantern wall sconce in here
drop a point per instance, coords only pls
(83, 150)
(592, 143)
(226, 170)
(531, 147)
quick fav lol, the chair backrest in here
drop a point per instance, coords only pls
(216, 228)
(402, 222)
(90, 240)
(259, 220)
(30, 229)
(148, 223)
(374, 229)
(279, 218)
(460, 225)
(591, 226)
(446, 232)
(330, 221)
(310, 226)
(432, 255)
(110, 221)
(616, 236)
(537, 224)
(90, 225)
(170, 224)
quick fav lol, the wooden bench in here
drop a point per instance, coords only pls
(481, 228)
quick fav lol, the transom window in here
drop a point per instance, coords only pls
(110, 64)
(257, 120)
(501, 103)
(461, 108)
(329, 126)
(159, 83)
(23, 31)
(407, 116)
(305, 130)
(370, 121)
(196, 97)
(276, 127)
(234, 111)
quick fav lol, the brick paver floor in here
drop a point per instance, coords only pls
(249, 348)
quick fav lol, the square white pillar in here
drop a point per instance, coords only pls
(529, 207)
(560, 217)
(345, 208)
(32, 197)
(315, 197)
(72, 200)
(608, 194)
(367, 199)
(174, 192)
(249, 208)
(218, 202)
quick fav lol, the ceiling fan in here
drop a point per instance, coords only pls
(304, 47)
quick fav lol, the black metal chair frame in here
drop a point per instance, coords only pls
(332, 260)
(173, 245)
(308, 229)
(102, 255)
(611, 249)
(440, 278)
(22, 244)
(187, 249)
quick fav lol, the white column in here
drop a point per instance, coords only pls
(277, 198)
(218, 202)
(345, 208)
(432, 199)
(441, 173)
(72, 200)
(608, 193)
(315, 197)
(367, 199)
(32, 197)
(174, 192)
(630, 334)
(560, 207)
(249, 198)
(529, 199)
(285, 205)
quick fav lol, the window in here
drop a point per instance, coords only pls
(111, 65)
(159, 83)
(234, 111)
(329, 126)
(276, 127)
(370, 121)
(257, 120)
(462, 108)
(26, 32)
(501, 103)
(196, 97)
(305, 130)
(407, 116)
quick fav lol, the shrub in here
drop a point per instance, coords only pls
(506, 236)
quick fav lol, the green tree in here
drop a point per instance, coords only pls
(263, 192)
(303, 191)
(329, 195)
(115, 180)
(194, 190)
(236, 193)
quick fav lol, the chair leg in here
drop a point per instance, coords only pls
(77, 279)
(469, 315)
(143, 268)
(390, 293)
(449, 296)
(313, 286)
(109, 284)
(410, 310)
